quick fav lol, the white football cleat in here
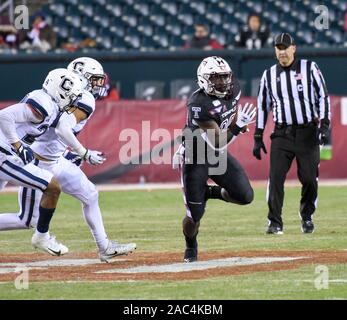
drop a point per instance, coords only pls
(115, 249)
(49, 244)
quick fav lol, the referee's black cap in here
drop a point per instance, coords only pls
(284, 39)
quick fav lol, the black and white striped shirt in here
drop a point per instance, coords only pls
(296, 94)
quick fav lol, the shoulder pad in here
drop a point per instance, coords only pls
(86, 103)
(40, 102)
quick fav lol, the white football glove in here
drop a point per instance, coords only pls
(94, 157)
(177, 159)
(246, 115)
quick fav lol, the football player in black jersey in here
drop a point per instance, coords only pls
(214, 120)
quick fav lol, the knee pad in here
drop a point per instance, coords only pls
(239, 198)
(196, 210)
(89, 194)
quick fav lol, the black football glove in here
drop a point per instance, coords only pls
(258, 144)
(324, 132)
(26, 154)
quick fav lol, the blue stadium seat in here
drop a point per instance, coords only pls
(335, 35)
(74, 20)
(71, 2)
(145, 26)
(102, 21)
(230, 24)
(142, 7)
(176, 43)
(170, 7)
(90, 31)
(255, 5)
(104, 41)
(114, 9)
(62, 31)
(58, 8)
(186, 18)
(161, 37)
(75, 36)
(158, 19)
(117, 28)
(72, 10)
(148, 43)
(133, 38)
(228, 7)
(215, 15)
(199, 6)
(86, 9)
(174, 27)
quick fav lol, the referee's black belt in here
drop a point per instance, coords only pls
(280, 126)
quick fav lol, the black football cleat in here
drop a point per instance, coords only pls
(190, 255)
(274, 230)
(307, 226)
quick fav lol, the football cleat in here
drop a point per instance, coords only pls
(49, 244)
(115, 249)
(274, 230)
(190, 255)
(307, 226)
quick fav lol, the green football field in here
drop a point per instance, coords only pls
(152, 219)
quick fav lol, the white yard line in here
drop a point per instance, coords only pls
(200, 265)
(169, 186)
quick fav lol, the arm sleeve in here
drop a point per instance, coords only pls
(263, 103)
(64, 130)
(17, 113)
(321, 93)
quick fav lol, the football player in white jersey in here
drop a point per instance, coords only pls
(51, 154)
(61, 89)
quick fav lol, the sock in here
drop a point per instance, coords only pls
(191, 242)
(92, 215)
(214, 192)
(44, 219)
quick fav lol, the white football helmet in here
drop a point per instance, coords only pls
(64, 86)
(215, 76)
(91, 72)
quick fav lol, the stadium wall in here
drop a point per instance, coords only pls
(144, 132)
(21, 73)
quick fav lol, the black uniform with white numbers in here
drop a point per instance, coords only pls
(195, 174)
(298, 98)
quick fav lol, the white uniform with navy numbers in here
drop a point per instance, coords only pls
(71, 178)
(12, 168)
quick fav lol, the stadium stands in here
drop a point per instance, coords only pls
(161, 24)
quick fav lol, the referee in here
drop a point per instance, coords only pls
(295, 91)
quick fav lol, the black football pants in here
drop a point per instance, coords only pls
(288, 143)
(195, 177)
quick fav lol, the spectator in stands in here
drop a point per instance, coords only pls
(202, 39)
(41, 37)
(8, 35)
(109, 91)
(87, 43)
(254, 35)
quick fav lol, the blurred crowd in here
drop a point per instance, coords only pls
(254, 35)
(41, 37)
